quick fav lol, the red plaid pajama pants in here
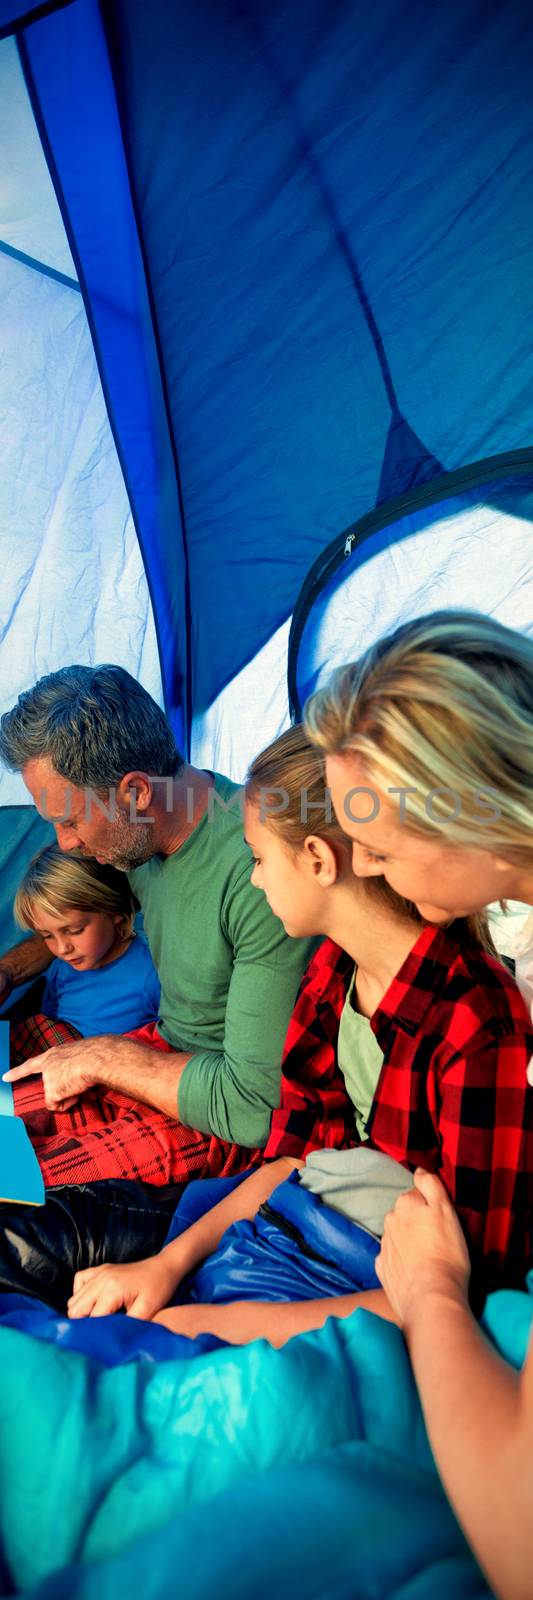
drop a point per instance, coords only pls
(106, 1134)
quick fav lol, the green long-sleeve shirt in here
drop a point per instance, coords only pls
(228, 973)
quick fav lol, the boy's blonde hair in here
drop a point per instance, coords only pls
(292, 772)
(444, 703)
(55, 883)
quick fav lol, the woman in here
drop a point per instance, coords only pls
(429, 758)
(444, 707)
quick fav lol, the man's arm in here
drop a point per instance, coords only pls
(112, 1062)
(245, 1320)
(26, 960)
(232, 1093)
(478, 1410)
(229, 1092)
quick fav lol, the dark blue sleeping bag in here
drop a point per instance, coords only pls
(295, 1249)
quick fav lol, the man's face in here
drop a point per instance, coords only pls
(81, 824)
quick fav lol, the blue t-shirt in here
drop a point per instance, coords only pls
(111, 999)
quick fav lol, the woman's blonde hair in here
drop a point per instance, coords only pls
(55, 883)
(287, 782)
(443, 704)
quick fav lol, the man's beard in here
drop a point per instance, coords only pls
(131, 846)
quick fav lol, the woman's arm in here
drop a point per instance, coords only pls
(478, 1410)
(144, 1287)
(245, 1320)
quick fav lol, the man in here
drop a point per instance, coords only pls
(194, 1094)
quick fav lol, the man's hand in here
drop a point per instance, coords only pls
(142, 1287)
(112, 1061)
(423, 1250)
(68, 1070)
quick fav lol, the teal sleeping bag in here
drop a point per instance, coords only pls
(304, 1471)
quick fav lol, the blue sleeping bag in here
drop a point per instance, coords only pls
(245, 1472)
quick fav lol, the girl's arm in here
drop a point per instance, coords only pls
(245, 1320)
(144, 1287)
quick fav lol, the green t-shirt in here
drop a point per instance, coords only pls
(228, 972)
(360, 1059)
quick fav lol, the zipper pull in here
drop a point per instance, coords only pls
(349, 543)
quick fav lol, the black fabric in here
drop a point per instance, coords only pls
(26, 1002)
(41, 1247)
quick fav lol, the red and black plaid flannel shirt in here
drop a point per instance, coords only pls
(452, 1094)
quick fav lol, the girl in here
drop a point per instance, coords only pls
(101, 978)
(406, 1038)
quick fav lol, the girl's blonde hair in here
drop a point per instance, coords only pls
(287, 782)
(443, 704)
(55, 883)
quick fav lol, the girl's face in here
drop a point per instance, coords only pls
(86, 939)
(292, 881)
(443, 880)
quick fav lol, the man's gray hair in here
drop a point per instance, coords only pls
(94, 724)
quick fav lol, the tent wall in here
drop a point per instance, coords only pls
(335, 208)
(73, 580)
(303, 237)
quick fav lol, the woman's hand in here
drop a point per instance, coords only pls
(141, 1287)
(423, 1250)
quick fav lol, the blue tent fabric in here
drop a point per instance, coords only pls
(298, 240)
(77, 112)
(15, 14)
(317, 170)
(418, 554)
(73, 579)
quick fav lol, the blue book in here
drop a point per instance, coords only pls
(20, 1173)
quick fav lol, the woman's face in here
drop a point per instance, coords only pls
(443, 880)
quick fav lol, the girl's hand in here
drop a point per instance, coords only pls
(141, 1287)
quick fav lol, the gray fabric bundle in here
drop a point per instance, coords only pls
(362, 1184)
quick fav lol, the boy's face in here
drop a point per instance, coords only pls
(85, 939)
